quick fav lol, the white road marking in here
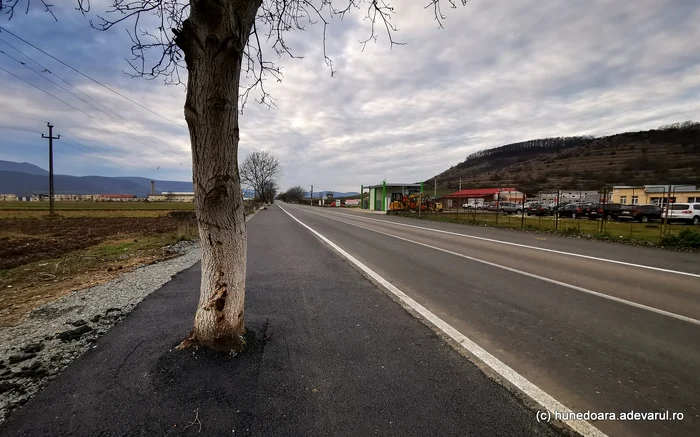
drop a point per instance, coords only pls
(641, 266)
(531, 275)
(520, 382)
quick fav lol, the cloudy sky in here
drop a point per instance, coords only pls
(499, 72)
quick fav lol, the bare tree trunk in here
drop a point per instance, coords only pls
(213, 40)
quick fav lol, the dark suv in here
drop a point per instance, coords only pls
(609, 211)
(640, 213)
(572, 210)
(538, 209)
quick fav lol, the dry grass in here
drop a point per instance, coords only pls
(613, 229)
(28, 286)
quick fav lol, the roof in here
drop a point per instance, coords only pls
(479, 192)
(393, 184)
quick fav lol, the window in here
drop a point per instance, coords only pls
(693, 199)
(635, 200)
(623, 200)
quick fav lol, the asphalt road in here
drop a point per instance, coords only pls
(329, 354)
(539, 312)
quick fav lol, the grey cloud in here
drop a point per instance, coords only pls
(498, 72)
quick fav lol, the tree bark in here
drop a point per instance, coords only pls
(213, 40)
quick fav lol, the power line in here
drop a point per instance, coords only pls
(83, 145)
(77, 109)
(123, 120)
(76, 96)
(46, 70)
(44, 91)
(94, 80)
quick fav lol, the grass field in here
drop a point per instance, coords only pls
(612, 229)
(72, 206)
(40, 210)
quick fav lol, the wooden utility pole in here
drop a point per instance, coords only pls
(51, 138)
(312, 196)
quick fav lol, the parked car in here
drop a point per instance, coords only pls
(472, 205)
(539, 209)
(572, 210)
(640, 213)
(505, 207)
(686, 212)
(609, 211)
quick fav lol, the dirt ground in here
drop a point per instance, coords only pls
(26, 240)
(44, 259)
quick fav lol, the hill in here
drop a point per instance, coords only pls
(22, 167)
(670, 154)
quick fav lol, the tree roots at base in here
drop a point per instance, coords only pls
(227, 343)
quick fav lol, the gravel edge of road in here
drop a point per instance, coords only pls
(53, 335)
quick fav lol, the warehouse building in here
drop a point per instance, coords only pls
(655, 194)
(380, 195)
(481, 196)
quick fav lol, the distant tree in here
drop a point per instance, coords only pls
(686, 125)
(269, 191)
(217, 41)
(259, 171)
(295, 194)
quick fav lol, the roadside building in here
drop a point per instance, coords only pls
(156, 198)
(8, 197)
(178, 196)
(480, 196)
(115, 198)
(655, 194)
(380, 194)
(570, 196)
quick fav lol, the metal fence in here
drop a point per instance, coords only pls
(510, 210)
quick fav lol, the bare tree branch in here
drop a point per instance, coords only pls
(274, 19)
(9, 7)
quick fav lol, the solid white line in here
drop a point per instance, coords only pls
(532, 275)
(641, 266)
(520, 382)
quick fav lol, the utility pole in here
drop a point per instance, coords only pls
(460, 184)
(312, 196)
(435, 190)
(51, 138)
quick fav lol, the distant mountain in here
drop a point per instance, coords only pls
(336, 194)
(25, 178)
(22, 167)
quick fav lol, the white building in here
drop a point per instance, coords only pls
(177, 196)
(570, 196)
(8, 197)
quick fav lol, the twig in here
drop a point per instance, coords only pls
(196, 421)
